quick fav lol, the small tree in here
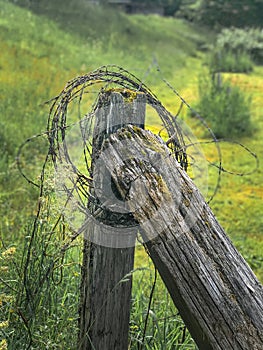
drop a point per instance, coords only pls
(225, 107)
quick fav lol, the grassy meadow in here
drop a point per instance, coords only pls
(40, 50)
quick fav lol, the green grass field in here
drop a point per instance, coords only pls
(41, 49)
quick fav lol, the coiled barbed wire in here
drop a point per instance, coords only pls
(108, 76)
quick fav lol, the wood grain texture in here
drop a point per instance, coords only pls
(108, 256)
(214, 289)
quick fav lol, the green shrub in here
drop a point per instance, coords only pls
(229, 61)
(237, 49)
(226, 13)
(225, 107)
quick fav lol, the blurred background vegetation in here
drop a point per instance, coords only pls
(210, 51)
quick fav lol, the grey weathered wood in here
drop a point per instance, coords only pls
(108, 257)
(214, 289)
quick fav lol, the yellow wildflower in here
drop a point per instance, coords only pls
(5, 298)
(3, 344)
(8, 253)
(3, 269)
(4, 324)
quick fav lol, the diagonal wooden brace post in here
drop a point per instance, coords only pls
(108, 254)
(214, 289)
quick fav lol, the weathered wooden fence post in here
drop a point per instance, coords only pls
(109, 242)
(214, 289)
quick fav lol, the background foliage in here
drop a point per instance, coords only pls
(226, 107)
(236, 13)
(223, 13)
(244, 46)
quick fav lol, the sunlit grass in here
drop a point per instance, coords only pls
(38, 56)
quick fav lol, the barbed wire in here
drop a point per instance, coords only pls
(81, 181)
(58, 124)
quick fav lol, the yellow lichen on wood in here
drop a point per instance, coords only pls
(128, 95)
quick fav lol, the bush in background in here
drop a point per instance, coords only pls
(225, 107)
(236, 50)
(226, 13)
(229, 61)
